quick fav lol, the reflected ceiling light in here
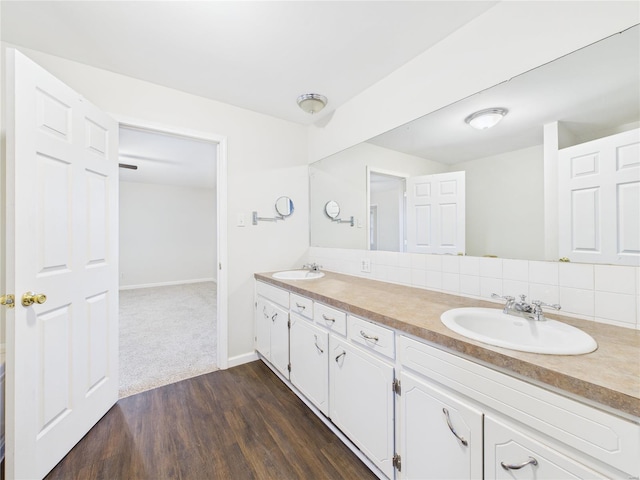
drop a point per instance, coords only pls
(312, 102)
(487, 118)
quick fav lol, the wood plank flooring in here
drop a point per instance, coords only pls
(241, 423)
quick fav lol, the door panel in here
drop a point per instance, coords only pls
(62, 234)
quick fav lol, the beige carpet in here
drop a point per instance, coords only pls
(167, 334)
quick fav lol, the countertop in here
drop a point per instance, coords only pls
(609, 376)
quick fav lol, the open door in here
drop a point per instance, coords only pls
(436, 213)
(62, 243)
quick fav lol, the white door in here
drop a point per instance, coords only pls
(62, 241)
(279, 348)
(440, 436)
(436, 213)
(599, 200)
(361, 402)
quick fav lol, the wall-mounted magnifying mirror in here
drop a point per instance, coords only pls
(284, 206)
(332, 209)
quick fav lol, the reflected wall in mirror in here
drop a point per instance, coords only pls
(284, 206)
(510, 169)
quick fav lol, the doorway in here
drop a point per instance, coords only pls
(171, 306)
(387, 223)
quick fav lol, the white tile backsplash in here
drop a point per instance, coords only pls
(615, 279)
(576, 275)
(603, 293)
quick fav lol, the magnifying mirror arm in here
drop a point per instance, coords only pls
(257, 219)
(351, 221)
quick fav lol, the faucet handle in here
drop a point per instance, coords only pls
(540, 304)
(523, 298)
(508, 298)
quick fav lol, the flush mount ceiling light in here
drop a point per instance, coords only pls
(312, 102)
(487, 118)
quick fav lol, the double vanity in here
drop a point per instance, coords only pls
(414, 399)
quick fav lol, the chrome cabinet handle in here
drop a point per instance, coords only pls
(531, 461)
(369, 337)
(264, 312)
(463, 441)
(328, 319)
(300, 307)
(341, 355)
(275, 315)
(316, 344)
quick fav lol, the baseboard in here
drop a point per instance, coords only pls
(241, 359)
(165, 284)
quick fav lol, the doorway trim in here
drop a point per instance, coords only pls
(221, 213)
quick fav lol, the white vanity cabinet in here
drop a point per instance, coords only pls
(272, 329)
(511, 454)
(361, 400)
(309, 353)
(440, 434)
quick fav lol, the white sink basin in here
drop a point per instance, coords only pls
(298, 275)
(492, 326)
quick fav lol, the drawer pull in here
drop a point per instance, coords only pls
(341, 355)
(264, 312)
(531, 461)
(275, 315)
(463, 441)
(373, 338)
(316, 344)
(300, 307)
(328, 319)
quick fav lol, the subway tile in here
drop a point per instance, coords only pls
(615, 279)
(491, 267)
(451, 282)
(576, 275)
(470, 266)
(543, 272)
(616, 306)
(515, 270)
(515, 288)
(450, 264)
(544, 293)
(489, 286)
(470, 285)
(578, 301)
(434, 262)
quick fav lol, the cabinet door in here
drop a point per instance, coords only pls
(264, 311)
(280, 340)
(361, 401)
(440, 435)
(510, 454)
(309, 361)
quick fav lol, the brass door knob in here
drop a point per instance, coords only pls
(8, 300)
(30, 298)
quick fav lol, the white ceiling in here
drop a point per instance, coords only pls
(259, 55)
(166, 159)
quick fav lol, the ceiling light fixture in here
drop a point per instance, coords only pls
(312, 102)
(487, 118)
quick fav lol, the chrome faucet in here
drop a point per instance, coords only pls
(313, 267)
(532, 311)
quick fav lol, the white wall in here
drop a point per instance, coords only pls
(167, 234)
(505, 204)
(267, 158)
(507, 40)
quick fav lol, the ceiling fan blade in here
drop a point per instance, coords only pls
(126, 165)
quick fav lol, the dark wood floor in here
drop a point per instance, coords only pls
(241, 423)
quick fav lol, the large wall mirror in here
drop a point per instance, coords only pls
(589, 94)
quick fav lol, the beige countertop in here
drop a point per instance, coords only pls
(610, 376)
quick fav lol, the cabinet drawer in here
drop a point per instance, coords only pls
(275, 294)
(331, 318)
(374, 337)
(302, 306)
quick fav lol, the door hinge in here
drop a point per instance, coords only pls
(289, 368)
(397, 462)
(289, 324)
(395, 386)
